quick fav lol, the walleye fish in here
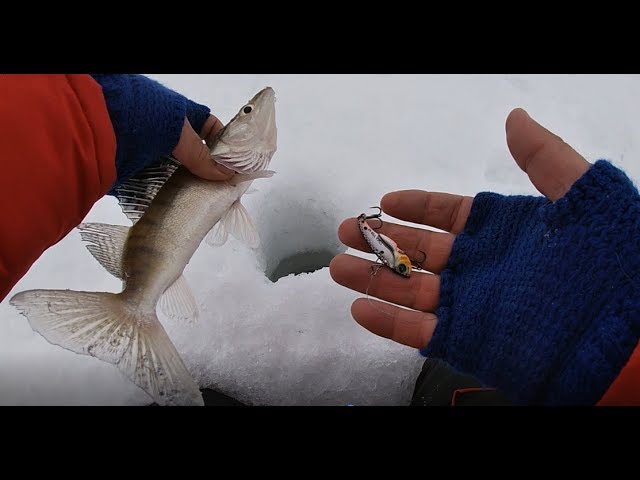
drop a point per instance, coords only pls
(172, 211)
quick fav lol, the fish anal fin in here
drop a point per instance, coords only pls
(177, 302)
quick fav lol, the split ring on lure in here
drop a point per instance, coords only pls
(386, 249)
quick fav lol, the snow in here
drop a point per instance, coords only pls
(343, 141)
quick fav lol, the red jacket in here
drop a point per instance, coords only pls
(58, 149)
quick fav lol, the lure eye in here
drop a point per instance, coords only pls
(403, 265)
(247, 109)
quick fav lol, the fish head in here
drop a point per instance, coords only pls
(247, 143)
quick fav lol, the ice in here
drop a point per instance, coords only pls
(286, 343)
(343, 141)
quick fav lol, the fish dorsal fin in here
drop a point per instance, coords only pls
(106, 244)
(236, 222)
(136, 194)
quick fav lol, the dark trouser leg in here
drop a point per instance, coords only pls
(440, 384)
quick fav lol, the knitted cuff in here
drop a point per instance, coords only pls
(541, 299)
(197, 115)
(147, 119)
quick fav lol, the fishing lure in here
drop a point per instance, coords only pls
(386, 249)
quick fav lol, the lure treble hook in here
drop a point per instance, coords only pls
(417, 264)
(376, 217)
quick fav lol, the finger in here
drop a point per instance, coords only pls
(552, 165)
(444, 211)
(435, 246)
(407, 327)
(194, 155)
(211, 128)
(420, 291)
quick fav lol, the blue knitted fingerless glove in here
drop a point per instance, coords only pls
(147, 118)
(542, 299)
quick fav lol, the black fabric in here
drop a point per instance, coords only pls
(213, 398)
(440, 385)
(435, 386)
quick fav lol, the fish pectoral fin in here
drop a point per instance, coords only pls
(239, 224)
(217, 236)
(239, 178)
(106, 244)
(236, 222)
(102, 325)
(177, 302)
(245, 161)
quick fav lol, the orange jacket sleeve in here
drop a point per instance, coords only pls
(58, 158)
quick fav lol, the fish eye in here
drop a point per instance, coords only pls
(402, 268)
(247, 109)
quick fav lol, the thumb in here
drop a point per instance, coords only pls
(194, 155)
(552, 165)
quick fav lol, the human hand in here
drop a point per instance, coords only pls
(193, 153)
(552, 166)
(151, 121)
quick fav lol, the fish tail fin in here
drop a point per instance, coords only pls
(105, 326)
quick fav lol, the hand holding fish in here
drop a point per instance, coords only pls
(104, 130)
(194, 154)
(532, 295)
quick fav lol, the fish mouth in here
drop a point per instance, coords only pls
(264, 103)
(267, 94)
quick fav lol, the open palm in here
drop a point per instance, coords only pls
(552, 166)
